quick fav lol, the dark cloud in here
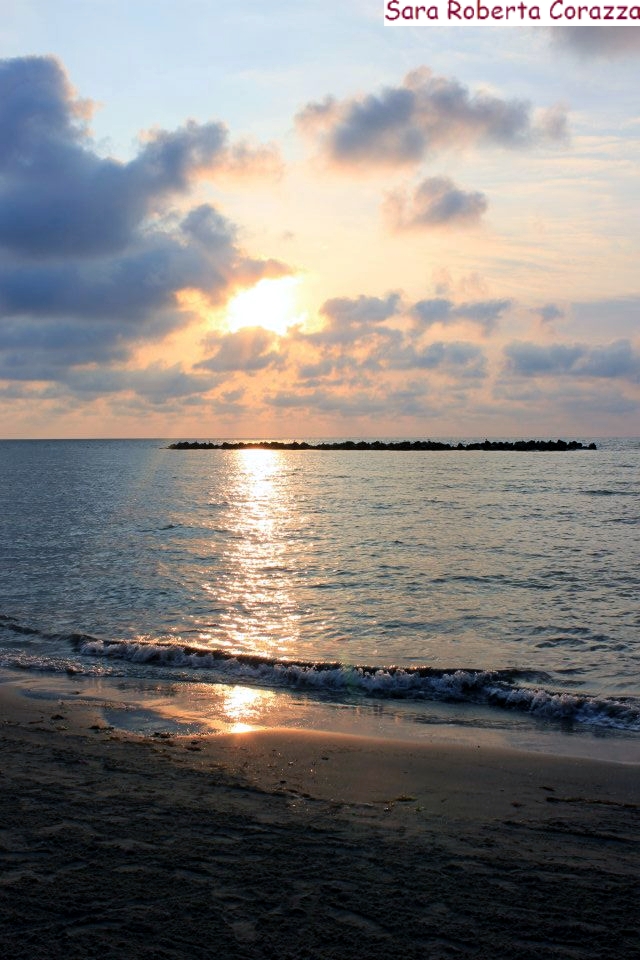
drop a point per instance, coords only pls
(18, 391)
(318, 370)
(349, 319)
(92, 256)
(548, 313)
(230, 404)
(532, 359)
(208, 228)
(156, 383)
(233, 396)
(38, 105)
(248, 350)
(436, 202)
(127, 287)
(463, 360)
(618, 360)
(55, 315)
(434, 310)
(603, 41)
(403, 125)
(356, 347)
(57, 196)
(485, 313)
(361, 310)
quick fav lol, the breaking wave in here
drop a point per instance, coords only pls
(522, 691)
(504, 689)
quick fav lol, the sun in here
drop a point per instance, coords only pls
(270, 304)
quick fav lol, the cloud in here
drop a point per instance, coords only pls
(59, 197)
(359, 403)
(403, 125)
(60, 314)
(433, 310)
(156, 383)
(548, 313)
(485, 313)
(598, 405)
(126, 287)
(435, 202)
(465, 360)
(317, 370)
(617, 361)
(605, 40)
(229, 404)
(412, 399)
(92, 254)
(350, 318)
(247, 350)
(361, 310)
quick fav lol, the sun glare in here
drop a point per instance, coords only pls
(270, 304)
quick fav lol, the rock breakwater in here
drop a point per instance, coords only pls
(518, 445)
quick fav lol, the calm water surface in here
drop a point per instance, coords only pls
(507, 581)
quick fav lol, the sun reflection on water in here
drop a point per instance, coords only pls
(245, 708)
(254, 587)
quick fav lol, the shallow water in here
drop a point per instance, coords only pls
(504, 583)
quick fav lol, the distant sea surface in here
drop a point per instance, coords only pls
(500, 587)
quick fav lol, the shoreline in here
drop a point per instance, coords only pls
(290, 844)
(157, 706)
(146, 707)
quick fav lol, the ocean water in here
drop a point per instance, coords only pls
(482, 589)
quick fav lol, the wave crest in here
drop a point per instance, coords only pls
(502, 689)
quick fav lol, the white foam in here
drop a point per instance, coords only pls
(494, 688)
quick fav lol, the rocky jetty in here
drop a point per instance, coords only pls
(519, 445)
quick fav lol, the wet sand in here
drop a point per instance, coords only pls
(300, 846)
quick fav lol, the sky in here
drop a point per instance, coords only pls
(284, 219)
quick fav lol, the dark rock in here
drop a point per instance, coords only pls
(518, 445)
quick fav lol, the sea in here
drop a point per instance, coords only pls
(466, 595)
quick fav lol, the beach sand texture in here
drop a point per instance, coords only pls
(302, 846)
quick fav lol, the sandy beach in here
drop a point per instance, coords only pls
(297, 846)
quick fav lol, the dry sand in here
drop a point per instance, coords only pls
(307, 846)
